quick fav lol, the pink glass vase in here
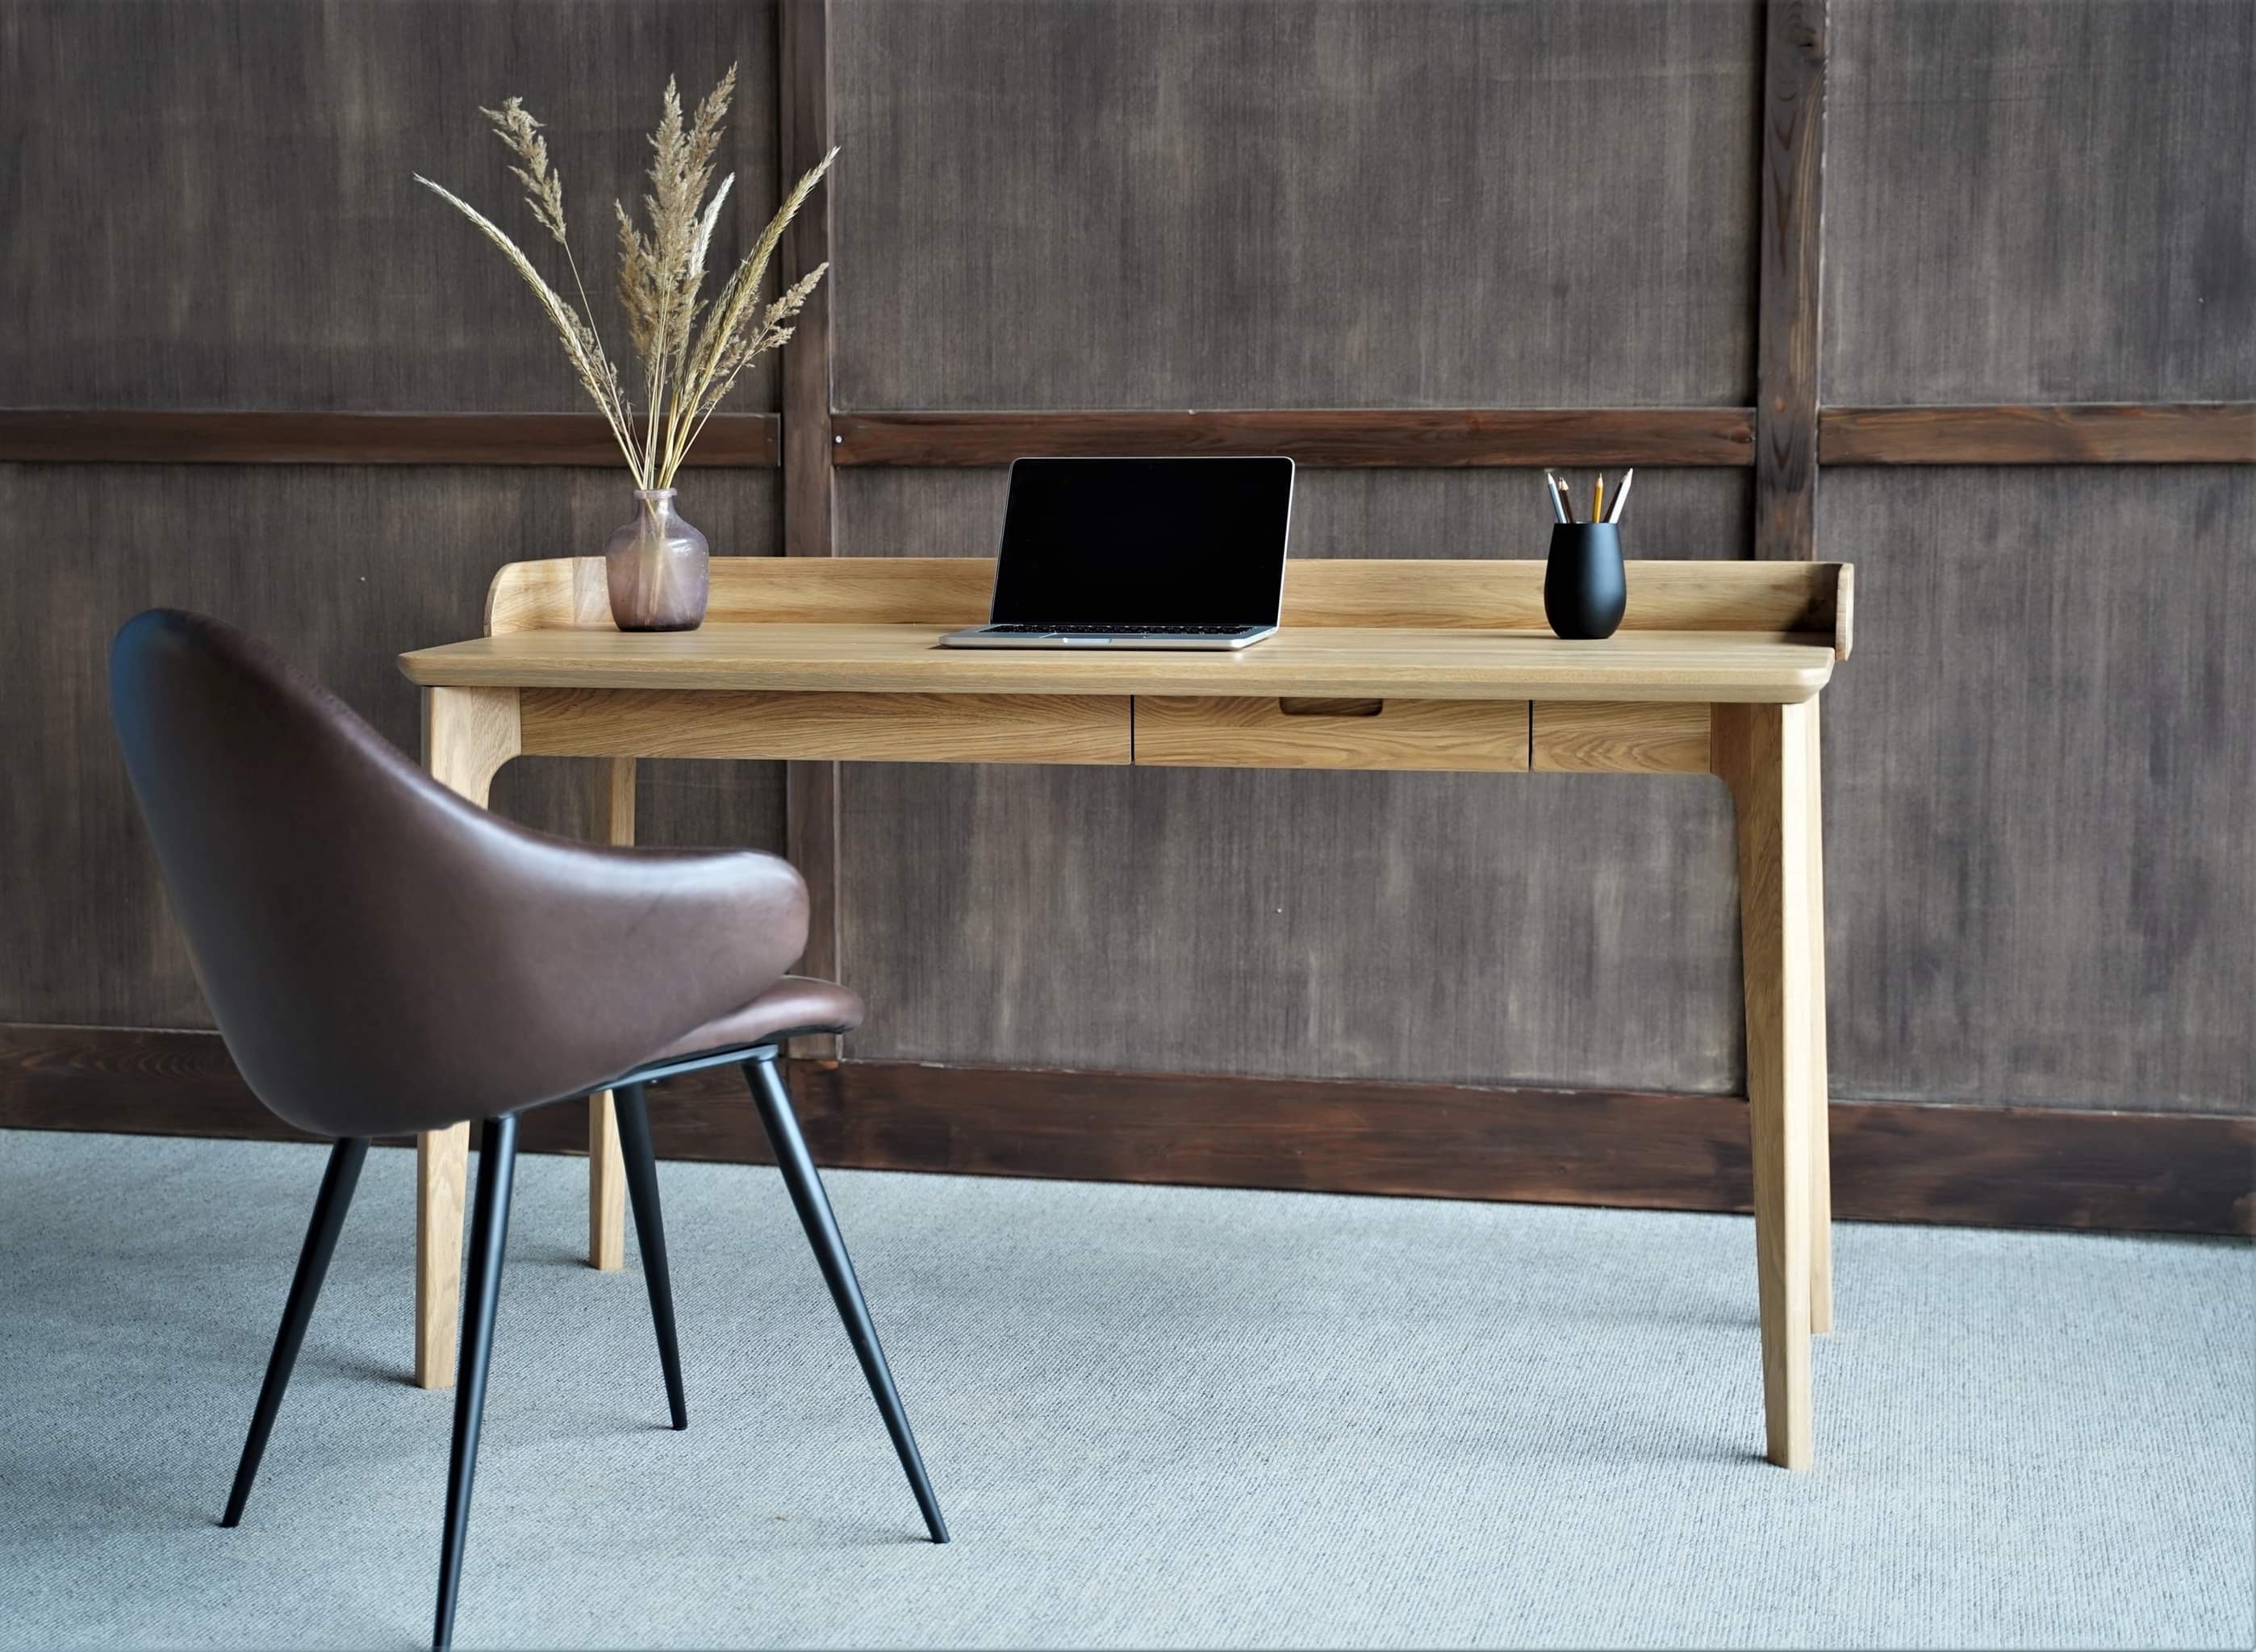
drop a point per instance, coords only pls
(656, 566)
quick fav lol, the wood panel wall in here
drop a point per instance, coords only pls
(213, 207)
(1775, 244)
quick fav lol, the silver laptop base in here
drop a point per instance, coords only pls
(993, 636)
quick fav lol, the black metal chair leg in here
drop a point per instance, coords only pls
(807, 1194)
(649, 1234)
(329, 1208)
(480, 1296)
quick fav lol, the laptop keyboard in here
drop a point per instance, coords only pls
(1115, 630)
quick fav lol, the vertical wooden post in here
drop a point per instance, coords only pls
(1786, 319)
(614, 818)
(1786, 340)
(811, 800)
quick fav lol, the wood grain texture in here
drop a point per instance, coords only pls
(611, 781)
(339, 566)
(2013, 1167)
(1382, 438)
(2040, 879)
(804, 137)
(1791, 246)
(1295, 203)
(1820, 1088)
(468, 734)
(849, 728)
(1617, 737)
(1480, 956)
(242, 229)
(1987, 1166)
(1456, 594)
(2032, 202)
(443, 1159)
(1312, 660)
(1762, 753)
(2212, 434)
(82, 436)
(804, 123)
(1301, 734)
(1473, 928)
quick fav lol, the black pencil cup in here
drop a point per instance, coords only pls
(1584, 590)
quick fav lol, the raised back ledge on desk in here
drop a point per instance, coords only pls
(1808, 601)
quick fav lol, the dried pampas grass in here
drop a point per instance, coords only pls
(687, 369)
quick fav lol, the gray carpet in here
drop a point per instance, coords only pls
(1155, 1417)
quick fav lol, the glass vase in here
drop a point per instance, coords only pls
(656, 566)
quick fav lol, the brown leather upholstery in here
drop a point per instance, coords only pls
(384, 957)
(795, 1004)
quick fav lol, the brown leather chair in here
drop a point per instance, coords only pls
(383, 957)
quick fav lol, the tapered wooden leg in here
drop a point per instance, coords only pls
(442, 1165)
(468, 734)
(1763, 754)
(614, 811)
(607, 1188)
(1821, 1146)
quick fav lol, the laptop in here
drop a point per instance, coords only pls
(1139, 553)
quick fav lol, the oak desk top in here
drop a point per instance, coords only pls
(1316, 660)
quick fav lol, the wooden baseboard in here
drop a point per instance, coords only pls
(2006, 1167)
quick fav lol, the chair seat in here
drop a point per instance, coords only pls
(795, 1004)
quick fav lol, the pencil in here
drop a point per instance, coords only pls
(1598, 498)
(1621, 496)
(1551, 488)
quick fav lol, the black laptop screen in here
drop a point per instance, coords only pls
(1144, 542)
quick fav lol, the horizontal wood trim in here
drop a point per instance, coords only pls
(114, 437)
(1067, 729)
(1344, 437)
(2009, 1167)
(2066, 433)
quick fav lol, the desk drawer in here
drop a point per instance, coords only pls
(1268, 732)
(657, 723)
(1601, 736)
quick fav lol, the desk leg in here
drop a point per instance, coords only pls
(1821, 1135)
(1763, 753)
(607, 1188)
(468, 734)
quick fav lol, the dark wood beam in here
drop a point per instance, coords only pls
(2011, 1167)
(811, 790)
(107, 436)
(2066, 433)
(1342, 437)
(1792, 171)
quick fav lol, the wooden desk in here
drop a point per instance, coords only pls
(1381, 665)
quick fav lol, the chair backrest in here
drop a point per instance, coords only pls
(382, 956)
